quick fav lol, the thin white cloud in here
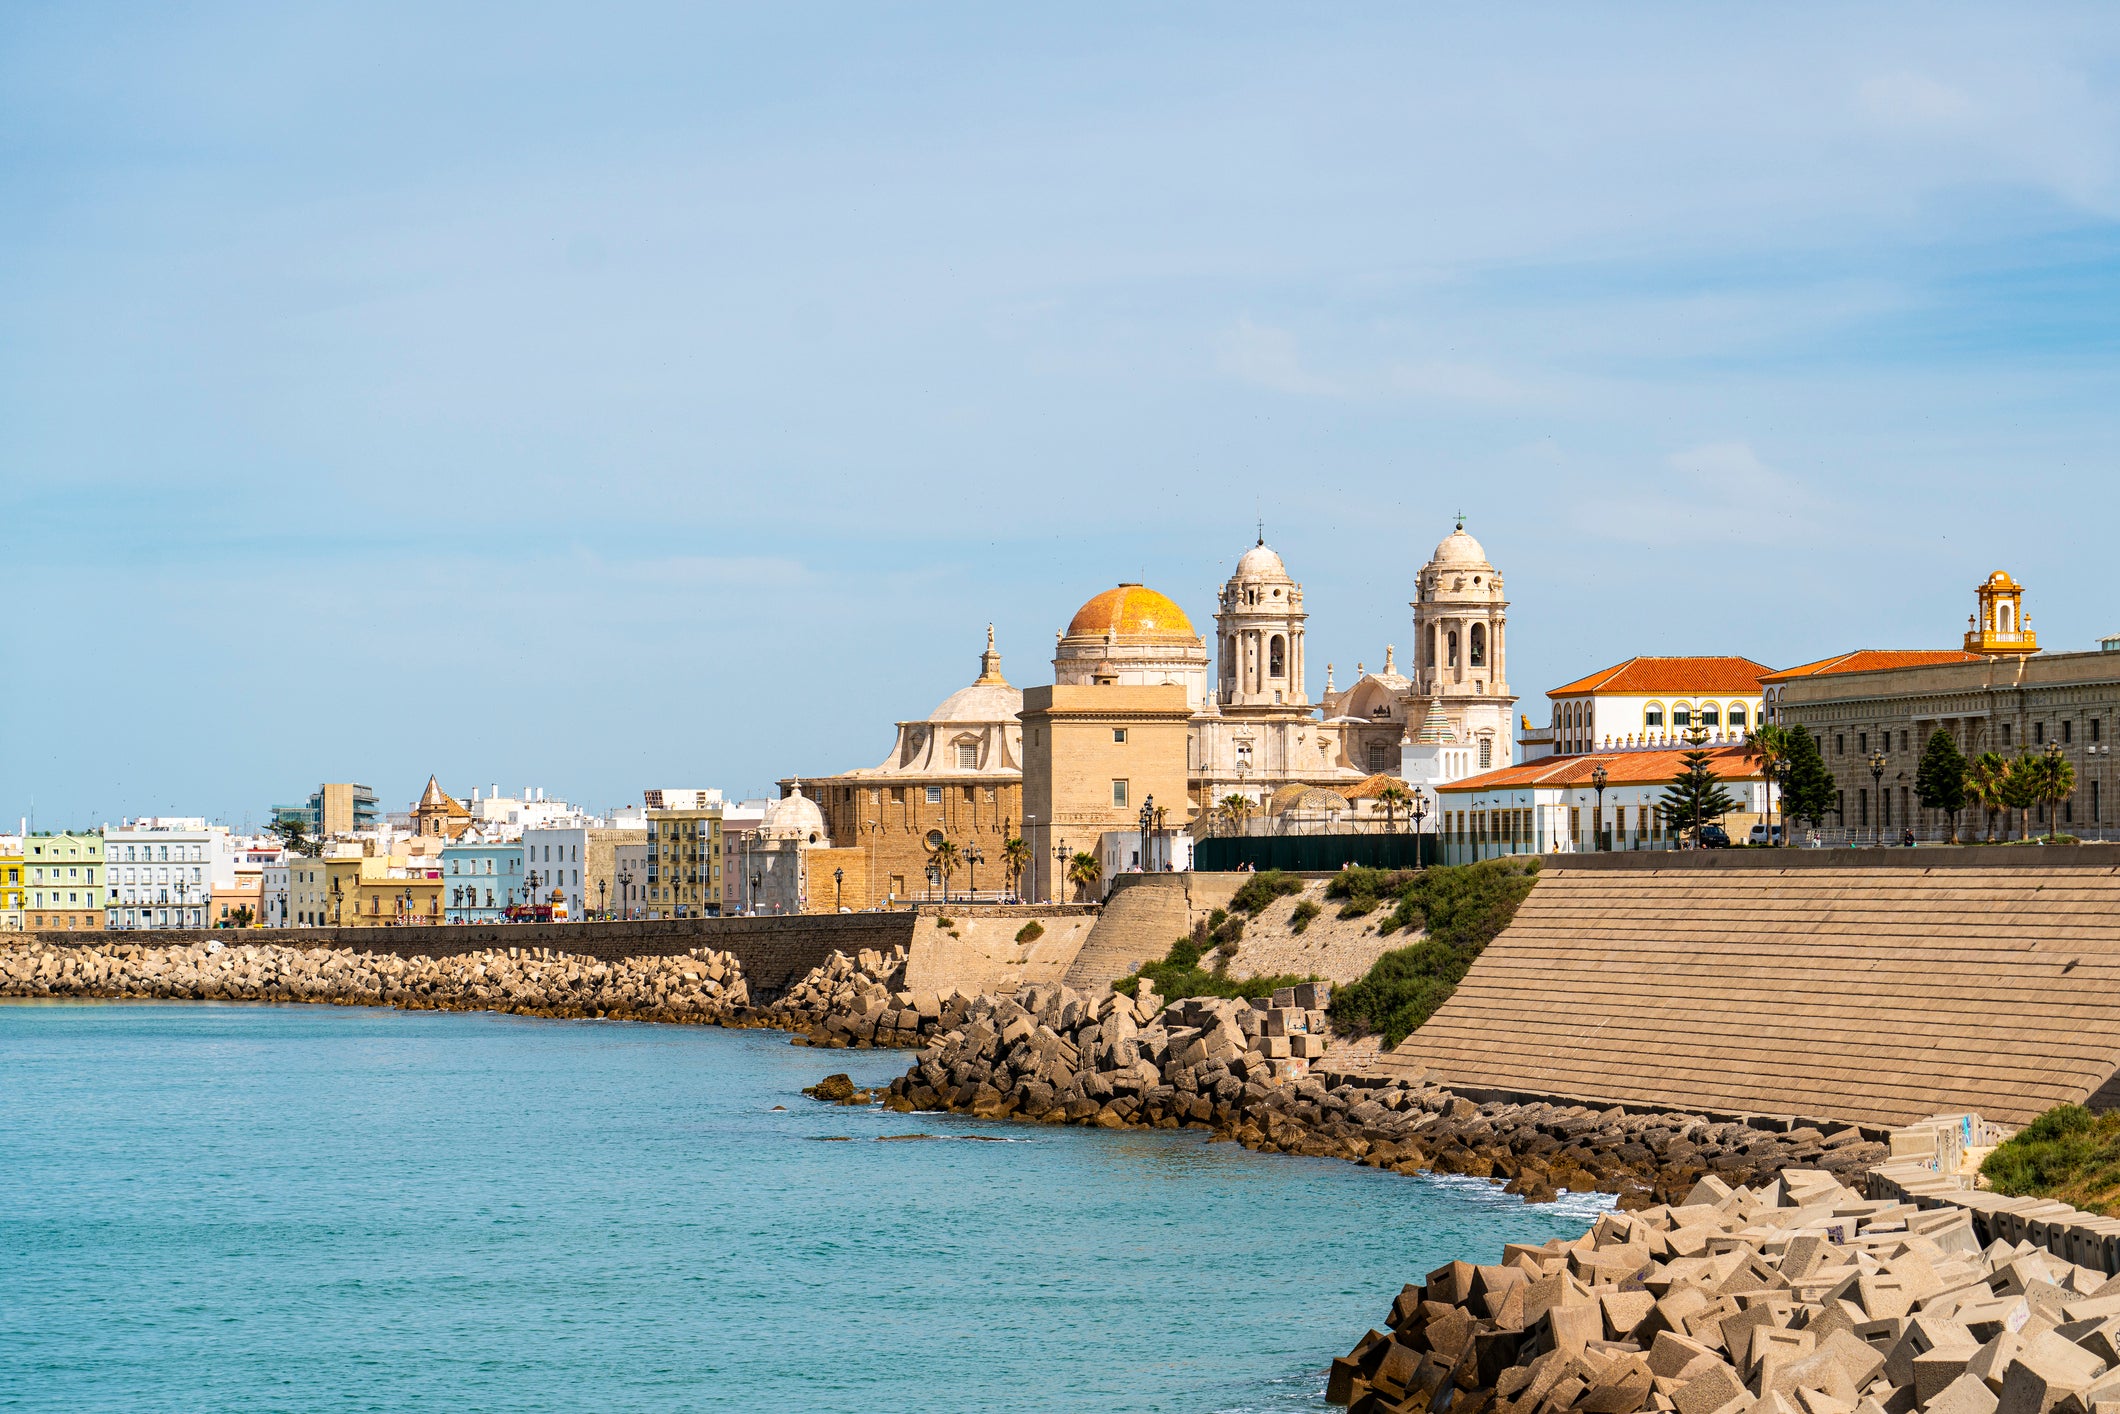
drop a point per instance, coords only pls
(1267, 357)
(1910, 100)
(1714, 494)
(1449, 381)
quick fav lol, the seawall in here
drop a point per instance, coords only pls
(1872, 986)
(776, 953)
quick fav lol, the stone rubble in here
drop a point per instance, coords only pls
(862, 1001)
(1804, 1297)
(1051, 1055)
(700, 986)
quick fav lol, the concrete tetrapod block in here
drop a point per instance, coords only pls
(1710, 1391)
(1967, 1394)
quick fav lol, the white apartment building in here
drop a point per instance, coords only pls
(275, 907)
(161, 871)
(556, 856)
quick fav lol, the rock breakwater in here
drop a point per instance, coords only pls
(1051, 1055)
(1804, 1297)
(700, 986)
(863, 1001)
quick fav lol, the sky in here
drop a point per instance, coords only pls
(623, 395)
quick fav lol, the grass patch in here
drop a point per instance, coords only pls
(1030, 932)
(1462, 907)
(1261, 889)
(1180, 975)
(1300, 917)
(2067, 1153)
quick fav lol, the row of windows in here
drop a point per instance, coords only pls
(149, 853)
(515, 865)
(2094, 731)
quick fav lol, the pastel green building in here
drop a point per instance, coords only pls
(63, 882)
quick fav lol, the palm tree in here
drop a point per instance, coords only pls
(1768, 743)
(1083, 871)
(2020, 790)
(1015, 857)
(2056, 780)
(1238, 807)
(1391, 798)
(943, 859)
(1984, 776)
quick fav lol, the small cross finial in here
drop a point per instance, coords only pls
(1461, 520)
(1262, 530)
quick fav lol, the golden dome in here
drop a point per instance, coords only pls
(1132, 611)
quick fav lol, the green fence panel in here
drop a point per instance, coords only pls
(1313, 854)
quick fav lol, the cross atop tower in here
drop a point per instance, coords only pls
(1262, 530)
(1461, 520)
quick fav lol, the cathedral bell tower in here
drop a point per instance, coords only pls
(1259, 638)
(1461, 647)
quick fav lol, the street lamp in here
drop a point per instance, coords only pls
(1060, 870)
(1877, 764)
(1148, 820)
(838, 879)
(973, 858)
(602, 910)
(1598, 776)
(755, 878)
(625, 890)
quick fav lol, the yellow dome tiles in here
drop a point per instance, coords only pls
(1131, 611)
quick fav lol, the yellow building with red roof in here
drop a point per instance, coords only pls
(1647, 701)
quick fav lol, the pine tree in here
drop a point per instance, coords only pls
(1695, 796)
(1939, 781)
(1806, 784)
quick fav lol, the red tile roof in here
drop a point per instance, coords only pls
(1622, 768)
(1865, 660)
(1712, 677)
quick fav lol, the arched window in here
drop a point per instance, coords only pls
(2003, 618)
(1681, 715)
(1479, 645)
(1737, 714)
(1653, 715)
(1710, 715)
(1277, 657)
(1452, 660)
(1229, 660)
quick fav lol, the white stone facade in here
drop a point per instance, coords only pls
(161, 873)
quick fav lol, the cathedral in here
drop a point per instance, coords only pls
(1255, 730)
(1250, 728)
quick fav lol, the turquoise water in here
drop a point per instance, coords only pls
(210, 1207)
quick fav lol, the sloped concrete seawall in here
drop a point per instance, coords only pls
(1870, 986)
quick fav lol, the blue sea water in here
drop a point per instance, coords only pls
(209, 1207)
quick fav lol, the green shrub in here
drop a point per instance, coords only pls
(1401, 991)
(941, 922)
(1358, 881)
(1179, 974)
(1030, 932)
(1360, 907)
(2066, 1153)
(1462, 907)
(1465, 904)
(1261, 889)
(1300, 918)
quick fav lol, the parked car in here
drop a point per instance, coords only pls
(1714, 837)
(1761, 835)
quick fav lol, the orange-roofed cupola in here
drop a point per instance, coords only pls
(2000, 626)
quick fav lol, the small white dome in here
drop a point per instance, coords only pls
(981, 702)
(1458, 548)
(1260, 562)
(794, 817)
